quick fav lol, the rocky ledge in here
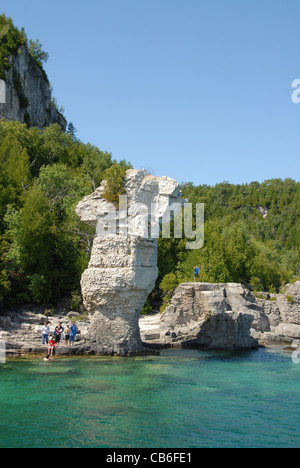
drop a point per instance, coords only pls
(201, 315)
(21, 333)
(225, 316)
(20, 330)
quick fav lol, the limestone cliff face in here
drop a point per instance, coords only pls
(228, 316)
(212, 316)
(282, 315)
(123, 266)
(28, 95)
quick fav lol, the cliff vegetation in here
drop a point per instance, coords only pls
(44, 248)
(252, 236)
(252, 231)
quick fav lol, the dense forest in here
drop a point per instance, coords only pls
(252, 236)
(252, 231)
(44, 247)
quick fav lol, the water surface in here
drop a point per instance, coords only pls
(180, 399)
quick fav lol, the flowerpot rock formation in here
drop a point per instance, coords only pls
(123, 267)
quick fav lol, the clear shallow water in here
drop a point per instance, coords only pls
(181, 399)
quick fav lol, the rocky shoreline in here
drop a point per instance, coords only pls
(20, 331)
(226, 317)
(201, 315)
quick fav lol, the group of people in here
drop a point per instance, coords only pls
(67, 334)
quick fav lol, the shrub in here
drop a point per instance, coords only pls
(166, 302)
(114, 187)
(147, 309)
(76, 300)
(169, 283)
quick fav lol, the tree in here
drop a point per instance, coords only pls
(37, 53)
(169, 283)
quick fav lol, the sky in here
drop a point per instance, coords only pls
(197, 90)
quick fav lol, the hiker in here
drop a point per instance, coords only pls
(196, 273)
(73, 333)
(58, 333)
(67, 335)
(51, 348)
(45, 333)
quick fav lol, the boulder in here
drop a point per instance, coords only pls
(212, 316)
(230, 316)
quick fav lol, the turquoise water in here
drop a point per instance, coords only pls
(180, 399)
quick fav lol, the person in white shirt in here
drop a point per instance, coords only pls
(45, 333)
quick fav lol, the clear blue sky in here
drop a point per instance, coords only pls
(199, 90)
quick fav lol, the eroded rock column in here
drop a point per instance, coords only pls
(123, 267)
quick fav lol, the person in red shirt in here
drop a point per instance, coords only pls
(51, 348)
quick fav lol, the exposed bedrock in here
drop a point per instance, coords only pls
(227, 316)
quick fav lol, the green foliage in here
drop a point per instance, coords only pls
(240, 244)
(44, 247)
(11, 39)
(49, 312)
(37, 53)
(75, 301)
(114, 187)
(169, 283)
(166, 302)
(147, 309)
(168, 286)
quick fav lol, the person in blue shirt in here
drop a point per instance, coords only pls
(196, 273)
(73, 333)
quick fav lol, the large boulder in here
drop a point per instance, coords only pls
(212, 316)
(230, 316)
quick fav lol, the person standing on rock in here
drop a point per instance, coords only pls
(196, 273)
(45, 333)
(58, 332)
(67, 335)
(73, 333)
